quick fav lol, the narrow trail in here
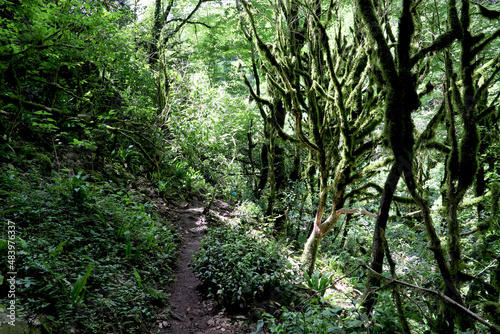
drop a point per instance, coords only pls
(189, 312)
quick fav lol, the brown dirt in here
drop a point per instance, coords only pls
(189, 312)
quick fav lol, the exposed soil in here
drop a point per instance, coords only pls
(189, 312)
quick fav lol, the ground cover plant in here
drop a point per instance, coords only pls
(90, 256)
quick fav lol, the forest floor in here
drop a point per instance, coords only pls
(189, 312)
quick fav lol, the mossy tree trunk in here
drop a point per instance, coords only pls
(378, 249)
(401, 101)
(164, 28)
(320, 75)
(469, 102)
(397, 69)
(275, 209)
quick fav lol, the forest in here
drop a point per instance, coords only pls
(313, 166)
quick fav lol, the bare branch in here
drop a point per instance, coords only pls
(360, 210)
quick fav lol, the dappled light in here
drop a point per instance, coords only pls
(249, 166)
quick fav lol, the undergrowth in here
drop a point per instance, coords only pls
(89, 255)
(238, 268)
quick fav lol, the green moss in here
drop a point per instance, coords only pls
(492, 311)
(468, 154)
(44, 162)
(370, 124)
(376, 165)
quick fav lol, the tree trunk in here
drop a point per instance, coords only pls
(378, 246)
(343, 241)
(155, 33)
(279, 181)
(264, 172)
(310, 251)
(295, 173)
(479, 188)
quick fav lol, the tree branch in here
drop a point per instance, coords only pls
(185, 20)
(441, 295)
(440, 43)
(12, 98)
(360, 210)
(190, 22)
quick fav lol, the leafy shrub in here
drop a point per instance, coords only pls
(318, 281)
(322, 316)
(385, 315)
(314, 319)
(237, 268)
(250, 209)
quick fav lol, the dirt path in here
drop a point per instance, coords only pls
(189, 312)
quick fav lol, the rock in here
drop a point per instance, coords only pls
(175, 316)
(19, 326)
(211, 322)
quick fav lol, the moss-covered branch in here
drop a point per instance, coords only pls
(430, 130)
(458, 306)
(441, 42)
(32, 105)
(385, 56)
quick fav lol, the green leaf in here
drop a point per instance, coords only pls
(138, 278)
(76, 295)
(58, 249)
(260, 324)
(42, 112)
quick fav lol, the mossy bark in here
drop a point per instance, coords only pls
(401, 100)
(462, 161)
(322, 88)
(310, 252)
(377, 259)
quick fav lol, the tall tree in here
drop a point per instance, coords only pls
(168, 21)
(321, 76)
(401, 101)
(400, 74)
(476, 72)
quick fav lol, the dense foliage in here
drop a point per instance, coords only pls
(91, 254)
(238, 268)
(357, 139)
